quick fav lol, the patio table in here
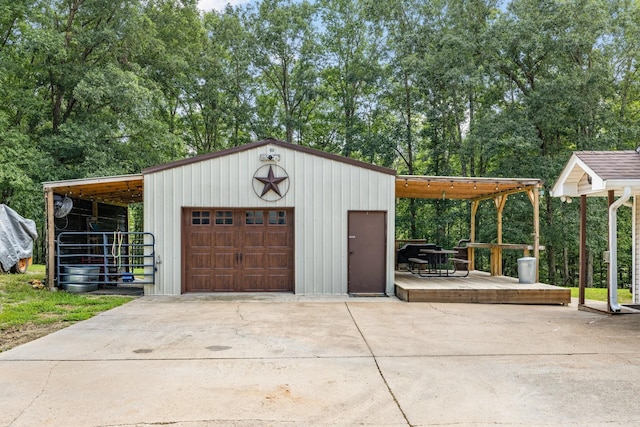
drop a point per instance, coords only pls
(439, 257)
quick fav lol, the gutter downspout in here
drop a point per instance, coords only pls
(613, 248)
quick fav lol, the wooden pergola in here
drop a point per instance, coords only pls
(476, 190)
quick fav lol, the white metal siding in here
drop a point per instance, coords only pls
(584, 187)
(635, 277)
(321, 192)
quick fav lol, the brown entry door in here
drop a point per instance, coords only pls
(367, 252)
(237, 250)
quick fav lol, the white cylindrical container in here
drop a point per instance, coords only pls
(527, 270)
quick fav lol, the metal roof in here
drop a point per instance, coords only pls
(257, 144)
(126, 189)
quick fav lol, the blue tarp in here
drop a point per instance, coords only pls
(17, 235)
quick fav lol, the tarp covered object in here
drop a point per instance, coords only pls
(16, 237)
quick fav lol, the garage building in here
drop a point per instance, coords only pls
(271, 216)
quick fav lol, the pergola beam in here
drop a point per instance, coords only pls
(459, 188)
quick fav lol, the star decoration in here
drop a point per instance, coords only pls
(271, 182)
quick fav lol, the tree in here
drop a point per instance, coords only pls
(400, 21)
(285, 55)
(549, 58)
(218, 92)
(351, 68)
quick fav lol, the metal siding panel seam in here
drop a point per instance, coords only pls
(173, 231)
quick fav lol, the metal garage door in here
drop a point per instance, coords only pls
(237, 250)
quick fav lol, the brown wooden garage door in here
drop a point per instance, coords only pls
(237, 250)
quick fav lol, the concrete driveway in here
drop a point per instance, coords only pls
(287, 361)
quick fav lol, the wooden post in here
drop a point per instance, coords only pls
(94, 211)
(535, 201)
(51, 239)
(472, 232)
(497, 263)
(583, 249)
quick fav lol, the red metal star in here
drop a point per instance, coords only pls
(271, 182)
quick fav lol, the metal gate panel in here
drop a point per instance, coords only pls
(109, 258)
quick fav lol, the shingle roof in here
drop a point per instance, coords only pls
(612, 164)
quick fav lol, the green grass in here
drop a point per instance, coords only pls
(600, 294)
(21, 305)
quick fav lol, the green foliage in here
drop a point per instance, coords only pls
(600, 294)
(22, 304)
(284, 52)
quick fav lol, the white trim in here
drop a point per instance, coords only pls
(568, 183)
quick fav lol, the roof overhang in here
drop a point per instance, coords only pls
(579, 179)
(460, 188)
(119, 190)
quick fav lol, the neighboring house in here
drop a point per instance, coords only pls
(611, 174)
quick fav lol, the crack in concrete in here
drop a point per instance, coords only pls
(448, 313)
(242, 335)
(240, 315)
(375, 360)
(36, 397)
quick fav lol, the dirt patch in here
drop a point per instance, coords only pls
(13, 337)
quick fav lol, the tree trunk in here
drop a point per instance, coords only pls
(412, 219)
(567, 276)
(589, 283)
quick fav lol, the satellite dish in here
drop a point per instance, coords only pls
(62, 207)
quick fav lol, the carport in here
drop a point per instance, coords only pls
(118, 191)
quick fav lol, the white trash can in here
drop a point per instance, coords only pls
(527, 270)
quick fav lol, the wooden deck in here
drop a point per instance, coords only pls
(478, 287)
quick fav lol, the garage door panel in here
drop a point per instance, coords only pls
(199, 261)
(279, 238)
(200, 239)
(223, 260)
(225, 238)
(254, 282)
(224, 282)
(201, 283)
(281, 260)
(254, 239)
(253, 260)
(279, 282)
